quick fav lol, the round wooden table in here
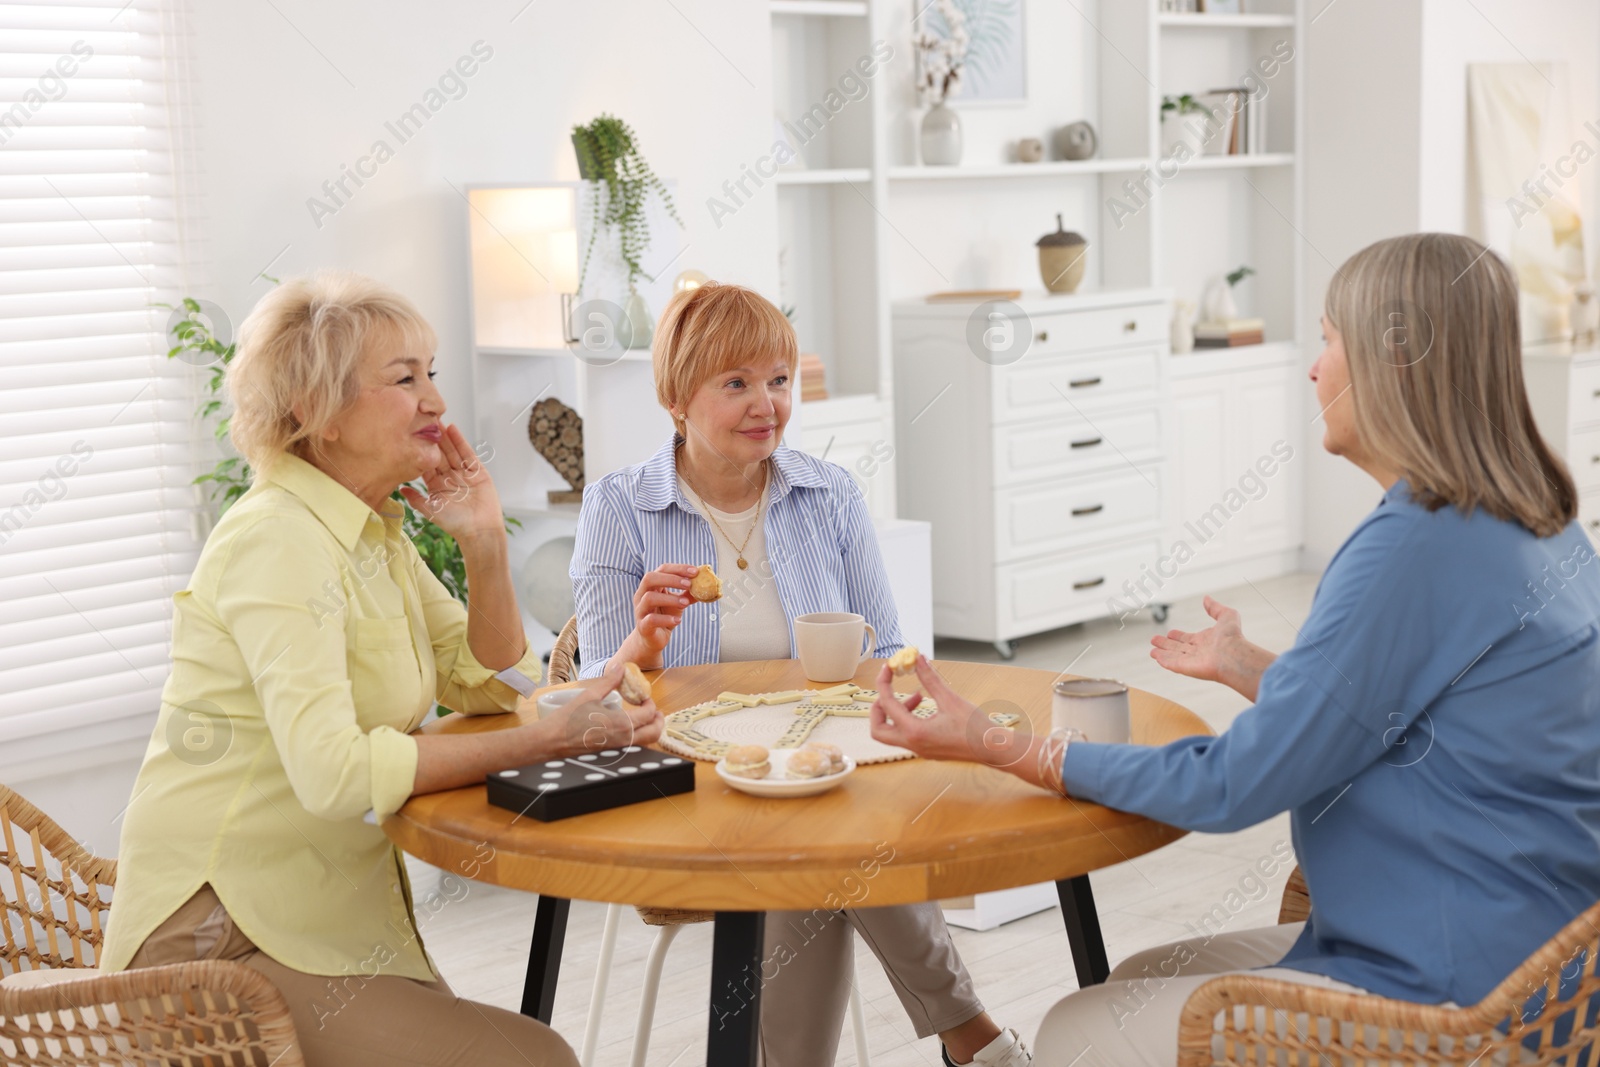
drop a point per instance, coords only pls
(948, 829)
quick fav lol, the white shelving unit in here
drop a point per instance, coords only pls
(866, 230)
(833, 268)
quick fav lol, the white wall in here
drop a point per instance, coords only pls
(282, 100)
(285, 100)
(1386, 151)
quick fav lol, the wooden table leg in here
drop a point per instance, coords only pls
(1083, 930)
(734, 1026)
(544, 957)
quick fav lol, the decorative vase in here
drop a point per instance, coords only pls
(1182, 327)
(1216, 300)
(636, 329)
(941, 137)
(1062, 257)
(1182, 129)
(1585, 316)
(1076, 141)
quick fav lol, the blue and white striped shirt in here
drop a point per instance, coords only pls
(821, 547)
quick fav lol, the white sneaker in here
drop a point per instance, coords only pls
(1007, 1050)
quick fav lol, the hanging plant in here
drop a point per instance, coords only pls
(608, 152)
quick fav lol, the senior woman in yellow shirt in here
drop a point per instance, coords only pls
(309, 644)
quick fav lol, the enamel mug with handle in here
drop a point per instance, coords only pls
(832, 644)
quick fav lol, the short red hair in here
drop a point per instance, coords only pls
(715, 328)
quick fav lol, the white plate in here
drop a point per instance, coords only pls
(776, 785)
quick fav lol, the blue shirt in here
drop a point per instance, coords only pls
(822, 553)
(1434, 734)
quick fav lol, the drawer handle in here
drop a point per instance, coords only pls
(1044, 335)
(1089, 585)
(1090, 442)
(1076, 512)
(1084, 383)
(1130, 326)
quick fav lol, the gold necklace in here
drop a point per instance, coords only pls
(760, 505)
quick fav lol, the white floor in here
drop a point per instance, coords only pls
(480, 937)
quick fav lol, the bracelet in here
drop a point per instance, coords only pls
(1053, 753)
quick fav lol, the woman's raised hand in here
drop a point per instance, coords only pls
(658, 606)
(1217, 654)
(461, 499)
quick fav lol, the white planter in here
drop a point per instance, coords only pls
(1187, 130)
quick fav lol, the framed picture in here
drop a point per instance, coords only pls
(995, 72)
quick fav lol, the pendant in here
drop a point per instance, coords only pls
(742, 564)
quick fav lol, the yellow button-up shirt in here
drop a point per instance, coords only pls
(311, 640)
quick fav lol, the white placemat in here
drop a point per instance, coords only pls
(767, 724)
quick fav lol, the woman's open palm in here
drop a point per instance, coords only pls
(1206, 655)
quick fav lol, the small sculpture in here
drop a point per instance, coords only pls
(557, 434)
(1076, 141)
(1062, 258)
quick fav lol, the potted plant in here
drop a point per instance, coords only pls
(608, 154)
(195, 342)
(1177, 129)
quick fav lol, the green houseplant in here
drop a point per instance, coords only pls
(608, 153)
(194, 342)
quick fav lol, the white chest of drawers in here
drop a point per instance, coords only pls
(1041, 466)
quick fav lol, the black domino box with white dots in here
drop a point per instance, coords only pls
(561, 788)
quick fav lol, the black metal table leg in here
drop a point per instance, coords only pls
(1083, 930)
(544, 957)
(731, 1040)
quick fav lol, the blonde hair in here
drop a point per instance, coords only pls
(1432, 339)
(714, 328)
(302, 347)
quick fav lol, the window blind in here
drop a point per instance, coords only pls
(99, 521)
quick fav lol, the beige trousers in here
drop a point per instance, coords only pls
(362, 1022)
(1131, 1019)
(813, 952)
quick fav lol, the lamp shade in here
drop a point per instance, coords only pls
(524, 250)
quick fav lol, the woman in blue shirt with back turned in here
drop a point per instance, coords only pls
(1435, 731)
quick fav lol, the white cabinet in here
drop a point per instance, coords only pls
(1564, 392)
(1042, 469)
(856, 433)
(1237, 466)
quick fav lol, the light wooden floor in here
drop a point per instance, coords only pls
(480, 937)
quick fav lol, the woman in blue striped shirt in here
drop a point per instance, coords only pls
(1435, 731)
(790, 535)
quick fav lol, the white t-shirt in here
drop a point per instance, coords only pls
(750, 619)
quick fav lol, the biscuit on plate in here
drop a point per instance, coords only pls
(833, 752)
(808, 763)
(747, 761)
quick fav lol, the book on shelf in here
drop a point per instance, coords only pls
(813, 377)
(1230, 333)
(1242, 120)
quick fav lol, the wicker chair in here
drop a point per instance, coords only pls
(1225, 1021)
(55, 896)
(561, 656)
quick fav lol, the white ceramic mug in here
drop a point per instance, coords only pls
(831, 645)
(550, 703)
(1096, 706)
